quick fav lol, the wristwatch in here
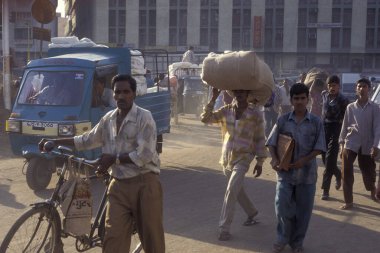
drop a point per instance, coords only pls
(117, 161)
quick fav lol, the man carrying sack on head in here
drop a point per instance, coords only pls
(247, 79)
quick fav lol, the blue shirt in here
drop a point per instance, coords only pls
(333, 109)
(308, 135)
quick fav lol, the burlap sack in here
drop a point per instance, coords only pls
(314, 74)
(242, 70)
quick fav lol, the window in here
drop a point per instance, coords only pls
(116, 21)
(342, 13)
(371, 16)
(346, 38)
(335, 37)
(147, 23)
(209, 20)
(241, 25)
(274, 23)
(21, 33)
(178, 23)
(370, 38)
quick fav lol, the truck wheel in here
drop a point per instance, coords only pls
(39, 172)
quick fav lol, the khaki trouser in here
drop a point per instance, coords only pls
(235, 193)
(136, 199)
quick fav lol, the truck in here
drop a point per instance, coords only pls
(73, 71)
(348, 85)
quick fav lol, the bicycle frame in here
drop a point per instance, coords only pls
(83, 242)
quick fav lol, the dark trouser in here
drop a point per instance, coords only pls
(332, 131)
(367, 167)
(138, 199)
(270, 119)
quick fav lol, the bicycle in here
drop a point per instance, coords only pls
(39, 229)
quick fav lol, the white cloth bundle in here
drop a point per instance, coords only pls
(242, 70)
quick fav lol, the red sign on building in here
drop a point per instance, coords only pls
(257, 31)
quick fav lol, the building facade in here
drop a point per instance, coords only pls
(23, 46)
(291, 35)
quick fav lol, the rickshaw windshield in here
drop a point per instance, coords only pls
(52, 88)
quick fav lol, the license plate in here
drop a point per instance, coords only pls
(37, 127)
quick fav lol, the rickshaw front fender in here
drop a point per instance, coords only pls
(31, 151)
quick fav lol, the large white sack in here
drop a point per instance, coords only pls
(65, 40)
(242, 70)
(141, 86)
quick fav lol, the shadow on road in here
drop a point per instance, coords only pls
(8, 199)
(192, 202)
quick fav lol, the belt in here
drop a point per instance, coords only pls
(137, 178)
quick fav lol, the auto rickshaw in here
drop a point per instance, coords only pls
(55, 100)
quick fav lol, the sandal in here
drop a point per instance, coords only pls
(224, 236)
(278, 247)
(250, 221)
(346, 206)
(298, 250)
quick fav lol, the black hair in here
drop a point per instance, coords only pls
(333, 79)
(364, 80)
(191, 48)
(124, 77)
(299, 88)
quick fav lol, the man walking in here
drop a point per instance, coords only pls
(359, 137)
(188, 56)
(242, 126)
(296, 186)
(333, 109)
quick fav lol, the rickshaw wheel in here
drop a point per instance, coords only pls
(39, 173)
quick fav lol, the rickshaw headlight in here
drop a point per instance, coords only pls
(66, 130)
(13, 126)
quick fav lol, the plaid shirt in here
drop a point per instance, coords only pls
(137, 137)
(243, 142)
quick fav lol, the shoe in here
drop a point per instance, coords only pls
(278, 247)
(224, 236)
(347, 206)
(338, 184)
(298, 250)
(251, 220)
(325, 197)
(373, 195)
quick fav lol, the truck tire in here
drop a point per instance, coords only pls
(39, 172)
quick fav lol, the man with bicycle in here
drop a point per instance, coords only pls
(127, 136)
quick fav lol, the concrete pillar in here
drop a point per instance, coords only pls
(6, 56)
(193, 22)
(225, 25)
(132, 23)
(162, 23)
(290, 31)
(324, 34)
(100, 27)
(358, 26)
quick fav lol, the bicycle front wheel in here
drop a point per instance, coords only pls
(37, 230)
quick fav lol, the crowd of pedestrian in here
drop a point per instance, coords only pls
(321, 121)
(127, 136)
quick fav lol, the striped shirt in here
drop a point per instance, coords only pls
(137, 137)
(241, 143)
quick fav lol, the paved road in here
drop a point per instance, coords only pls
(193, 191)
